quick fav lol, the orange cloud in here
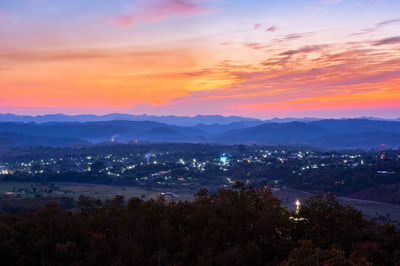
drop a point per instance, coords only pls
(118, 77)
(325, 77)
(282, 75)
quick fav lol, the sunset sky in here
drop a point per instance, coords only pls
(256, 58)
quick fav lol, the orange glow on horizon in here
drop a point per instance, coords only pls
(134, 62)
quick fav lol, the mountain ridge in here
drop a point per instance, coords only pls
(168, 119)
(329, 133)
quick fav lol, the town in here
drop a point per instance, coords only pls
(189, 167)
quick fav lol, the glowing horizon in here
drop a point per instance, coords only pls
(263, 59)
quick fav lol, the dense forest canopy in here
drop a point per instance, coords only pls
(243, 226)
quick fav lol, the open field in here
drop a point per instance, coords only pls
(370, 209)
(75, 190)
(106, 192)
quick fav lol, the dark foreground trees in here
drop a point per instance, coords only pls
(233, 227)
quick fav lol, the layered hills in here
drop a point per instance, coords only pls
(325, 133)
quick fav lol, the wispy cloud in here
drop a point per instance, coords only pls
(333, 77)
(56, 55)
(155, 10)
(294, 36)
(387, 41)
(388, 22)
(377, 27)
(305, 49)
(255, 45)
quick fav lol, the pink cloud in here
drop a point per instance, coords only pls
(257, 26)
(155, 10)
(305, 49)
(294, 36)
(226, 43)
(125, 20)
(255, 46)
(271, 29)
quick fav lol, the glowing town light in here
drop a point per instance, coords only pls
(224, 159)
(4, 172)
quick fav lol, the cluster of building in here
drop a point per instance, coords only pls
(180, 169)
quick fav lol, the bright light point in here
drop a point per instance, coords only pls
(298, 203)
(224, 159)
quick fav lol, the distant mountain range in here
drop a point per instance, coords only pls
(171, 120)
(118, 130)
(328, 133)
(20, 140)
(350, 133)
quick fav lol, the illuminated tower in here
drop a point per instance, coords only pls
(298, 204)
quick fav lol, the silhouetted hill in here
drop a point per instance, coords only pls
(16, 140)
(361, 140)
(101, 131)
(346, 133)
(172, 134)
(274, 133)
(216, 129)
(353, 126)
(292, 119)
